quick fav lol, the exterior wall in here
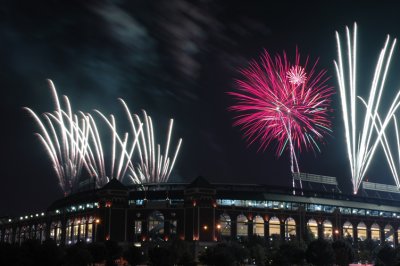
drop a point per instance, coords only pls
(195, 217)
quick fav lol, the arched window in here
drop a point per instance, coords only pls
(389, 234)
(53, 227)
(375, 232)
(32, 233)
(24, 234)
(39, 232)
(225, 224)
(173, 226)
(290, 228)
(156, 224)
(75, 231)
(138, 227)
(12, 235)
(347, 230)
(89, 235)
(68, 232)
(241, 225)
(59, 232)
(361, 231)
(258, 226)
(327, 229)
(398, 235)
(82, 230)
(17, 236)
(312, 226)
(274, 227)
(8, 235)
(42, 232)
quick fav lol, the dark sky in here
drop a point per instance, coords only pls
(173, 59)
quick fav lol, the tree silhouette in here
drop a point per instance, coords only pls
(344, 253)
(320, 253)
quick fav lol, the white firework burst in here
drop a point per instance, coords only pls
(297, 75)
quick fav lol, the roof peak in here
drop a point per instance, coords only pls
(114, 184)
(200, 181)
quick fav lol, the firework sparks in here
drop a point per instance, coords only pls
(73, 143)
(296, 75)
(362, 143)
(153, 166)
(64, 137)
(121, 154)
(387, 146)
(276, 102)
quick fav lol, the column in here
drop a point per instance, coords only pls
(320, 231)
(250, 228)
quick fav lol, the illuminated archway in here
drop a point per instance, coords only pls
(347, 230)
(290, 228)
(241, 225)
(312, 226)
(225, 224)
(389, 234)
(375, 232)
(274, 227)
(258, 226)
(361, 231)
(327, 229)
(89, 235)
(68, 232)
(75, 230)
(156, 224)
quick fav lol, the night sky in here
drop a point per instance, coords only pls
(174, 59)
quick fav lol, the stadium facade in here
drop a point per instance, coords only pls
(205, 212)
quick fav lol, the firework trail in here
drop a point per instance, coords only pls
(153, 166)
(362, 142)
(64, 137)
(386, 145)
(121, 154)
(73, 143)
(284, 102)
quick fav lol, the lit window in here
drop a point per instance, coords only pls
(375, 232)
(389, 234)
(173, 224)
(274, 227)
(225, 223)
(156, 223)
(362, 231)
(138, 227)
(258, 226)
(348, 230)
(290, 228)
(241, 225)
(90, 229)
(312, 227)
(327, 229)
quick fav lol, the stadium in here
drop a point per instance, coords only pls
(207, 213)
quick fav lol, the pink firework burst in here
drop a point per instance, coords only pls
(275, 102)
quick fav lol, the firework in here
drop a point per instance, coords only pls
(73, 143)
(153, 166)
(64, 137)
(386, 145)
(296, 75)
(122, 150)
(362, 142)
(280, 102)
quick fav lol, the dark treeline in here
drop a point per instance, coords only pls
(255, 251)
